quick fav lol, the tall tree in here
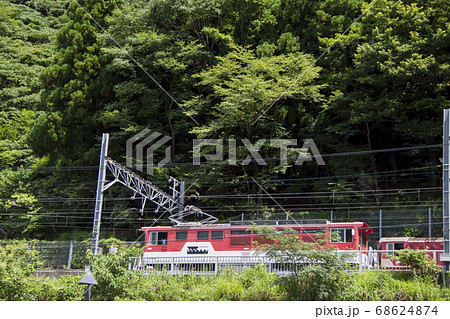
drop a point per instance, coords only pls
(25, 50)
(76, 88)
(249, 97)
(390, 77)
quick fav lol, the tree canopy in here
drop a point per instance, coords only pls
(352, 75)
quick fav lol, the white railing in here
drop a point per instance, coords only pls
(356, 261)
(383, 259)
(212, 265)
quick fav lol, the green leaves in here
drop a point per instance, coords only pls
(316, 271)
(420, 262)
(244, 87)
(17, 263)
(250, 69)
(74, 84)
(17, 281)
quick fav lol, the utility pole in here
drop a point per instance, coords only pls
(99, 196)
(429, 221)
(182, 197)
(446, 191)
(381, 224)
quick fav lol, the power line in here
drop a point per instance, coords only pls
(291, 195)
(88, 168)
(274, 159)
(368, 192)
(85, 185)
(320, 177)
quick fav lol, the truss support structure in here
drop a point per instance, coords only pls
(99, 195)
(142, 187)
(148, 192)
(182, 197)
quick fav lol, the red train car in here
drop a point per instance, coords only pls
(434, 247)
(237, 239)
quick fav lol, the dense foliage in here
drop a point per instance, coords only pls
(419, 261)
(17, 281)
(350, 74)
(324, 273)
(116, 282)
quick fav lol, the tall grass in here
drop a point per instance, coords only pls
(387, 286)
(116, 282)
(252, 284)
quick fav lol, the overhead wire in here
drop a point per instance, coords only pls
(285, 195)
(71, 220)
(390, 173)
(340, 154)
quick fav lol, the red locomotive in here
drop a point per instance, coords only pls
(237, 239)
(434, 247)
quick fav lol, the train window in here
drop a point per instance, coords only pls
(364, 237)
(390, 246)
(349, 235)
(313, 230)
(343, 235)
(153, 238)
(289, 230)
(162, 238)
(181, 235)
(240, 239)
(158, 238)
(394, 246)
(217, 234)
(240, 232)
(337, 235)
(202, 235)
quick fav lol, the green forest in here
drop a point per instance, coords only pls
(367, 81)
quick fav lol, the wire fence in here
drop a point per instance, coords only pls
(421, 222)
(71, 254)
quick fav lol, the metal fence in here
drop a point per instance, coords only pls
(60, 254)
(57, 273)
(70, 254)
(425, 221)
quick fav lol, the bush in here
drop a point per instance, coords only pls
(319, 281)
(317, 273)
(17, 264)
(421, 264)
(254, 283)
(387, 286)
(17, 281)
(62, 289)
(111, 273)
(258, 284)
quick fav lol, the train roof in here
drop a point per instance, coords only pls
(396, 239)
(280, 224)
(411, 239)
